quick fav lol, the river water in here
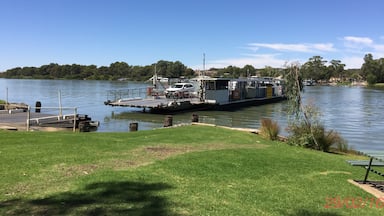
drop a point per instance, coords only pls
(354, 112)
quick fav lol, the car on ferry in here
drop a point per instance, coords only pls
(180, 90)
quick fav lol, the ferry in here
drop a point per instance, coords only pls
(208, 93)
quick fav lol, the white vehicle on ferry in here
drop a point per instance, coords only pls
(180, 90)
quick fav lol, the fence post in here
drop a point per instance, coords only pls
(74, 119)
(28, 117)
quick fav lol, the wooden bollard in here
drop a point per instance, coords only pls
(195, 117)
(168, 121)
(133, 126)
(38, 106)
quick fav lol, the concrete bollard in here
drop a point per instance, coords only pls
(38, 107)
(133, 126)
(168, 121)
(195, 117)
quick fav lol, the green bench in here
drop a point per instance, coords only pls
(368, 164)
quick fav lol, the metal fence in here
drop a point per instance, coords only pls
(114, 95)
(28, 118)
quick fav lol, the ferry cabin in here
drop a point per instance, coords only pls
(224, 91)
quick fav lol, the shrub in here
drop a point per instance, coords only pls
(338, 142)
(371, 79)
(269, 129)
(318, 138)
(300, 135)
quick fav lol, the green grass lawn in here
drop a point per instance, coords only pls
(189, 170)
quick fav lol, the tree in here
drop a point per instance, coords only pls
(293, 88)
(164, 68)
(269, 71)
(380, 71)
(304, 125)
(368, 65)
(65, 71)
(119, 70)
(336, 69)
(314, 68)
(75, 71)
(89, 71)
(247, 71)
(371, 79)
(177, 69)
(373, 69)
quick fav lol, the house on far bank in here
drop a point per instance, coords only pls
(335, 80)
(354, 82)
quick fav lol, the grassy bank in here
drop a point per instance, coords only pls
(191, 170)
(379, 85)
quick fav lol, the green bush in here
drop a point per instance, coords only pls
(338, 142)
(371, 79)
(318, 138)
(269, 129)
(300, 135)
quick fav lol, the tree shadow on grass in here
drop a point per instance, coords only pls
(104, 198)
(304, 212)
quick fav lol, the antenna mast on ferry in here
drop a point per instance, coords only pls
(203, 64)
(154, 78)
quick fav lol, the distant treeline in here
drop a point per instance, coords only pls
(115, 71)
(122, 70)
(371, 71)
(315, 68)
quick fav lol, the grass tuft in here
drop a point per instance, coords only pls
(269, 129)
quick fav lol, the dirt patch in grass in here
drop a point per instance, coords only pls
(76, 170)
(162, 152)
(142, 156)
(149, 154)
(334, 172)
(18, 189)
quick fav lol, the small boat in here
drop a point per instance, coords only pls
(309, 82)
(156, 78)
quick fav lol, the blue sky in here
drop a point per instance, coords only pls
(229, 32)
